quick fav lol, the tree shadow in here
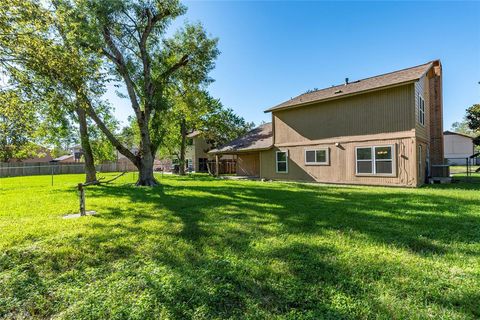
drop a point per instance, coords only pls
(225, 250)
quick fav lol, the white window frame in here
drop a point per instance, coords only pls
(374, 161)
(421, 110)
(286, 161)
(315, 163)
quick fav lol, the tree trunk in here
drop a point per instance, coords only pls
(145, 172)
(91, 172)
(183, 132)
(145, 165)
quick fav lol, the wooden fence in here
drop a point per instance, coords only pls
(17, 169)
(225, 166)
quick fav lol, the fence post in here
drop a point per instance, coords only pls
(51, 166)
(82, 199)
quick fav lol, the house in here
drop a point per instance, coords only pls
(197, 156)
(68, 158)
(43, 155)
(458, 147)
(382, 130)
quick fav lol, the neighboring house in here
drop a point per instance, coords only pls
(383, 130)
(68, 158)
(196, 153)
(43, 155)
(196, 156)
(77, 152)
(458, 147)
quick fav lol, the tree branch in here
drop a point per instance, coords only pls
(182, 62)
(101, 125)
(117, 58)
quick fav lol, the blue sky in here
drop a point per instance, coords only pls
(272, 51)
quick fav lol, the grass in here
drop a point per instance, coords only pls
(199, 248)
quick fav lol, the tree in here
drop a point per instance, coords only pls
(191, 106)
(461, 127)
(37, 52)
(17, 127)
(473, 119)
(223, 125)
(131, 36)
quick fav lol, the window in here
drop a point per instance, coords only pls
(281, 161)
(317, 156)
(374, 160)
(421, 110)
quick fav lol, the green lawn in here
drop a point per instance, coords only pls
(201, 248)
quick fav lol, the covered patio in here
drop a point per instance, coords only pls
(246, 150)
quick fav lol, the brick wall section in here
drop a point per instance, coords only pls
(436, 115)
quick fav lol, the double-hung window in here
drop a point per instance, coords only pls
(421, 110)
(374, 160)
(281, 161)
(316, 156)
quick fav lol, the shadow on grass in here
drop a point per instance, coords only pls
(229, 246)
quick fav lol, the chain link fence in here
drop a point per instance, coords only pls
(465, 169)
(53, 168)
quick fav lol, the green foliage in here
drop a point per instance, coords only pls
(201, 248)
(223, 125)
(132, 36)
(473, 119)
(462, 127)
(17, 127)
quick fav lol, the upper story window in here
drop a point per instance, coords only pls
(317, 156)
(281, 161)
(421, 110)
(374, 160)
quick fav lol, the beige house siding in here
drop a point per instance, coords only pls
(196, 151)
(383, 111)
(342, 166)
(421, 160)
(248, 164)
(422, 89)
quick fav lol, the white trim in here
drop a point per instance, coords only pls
(373, 160)
(421, 110)
(327, 157)
(286, 161)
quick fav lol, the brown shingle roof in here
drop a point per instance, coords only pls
(260, 138)
(384, 80)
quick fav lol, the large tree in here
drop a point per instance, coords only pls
(131, 36)
(39, 55)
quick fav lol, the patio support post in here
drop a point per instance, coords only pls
(216, 165)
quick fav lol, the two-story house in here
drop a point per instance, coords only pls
(383, 130)
(197, 157)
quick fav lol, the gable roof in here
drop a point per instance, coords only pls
(64, 157)
(447, 133)
(403, 76)
(194, 133)
(260, 138)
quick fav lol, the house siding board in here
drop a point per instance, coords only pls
(422, 89)
(389, 110)
(342, 164)
(248, 164)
